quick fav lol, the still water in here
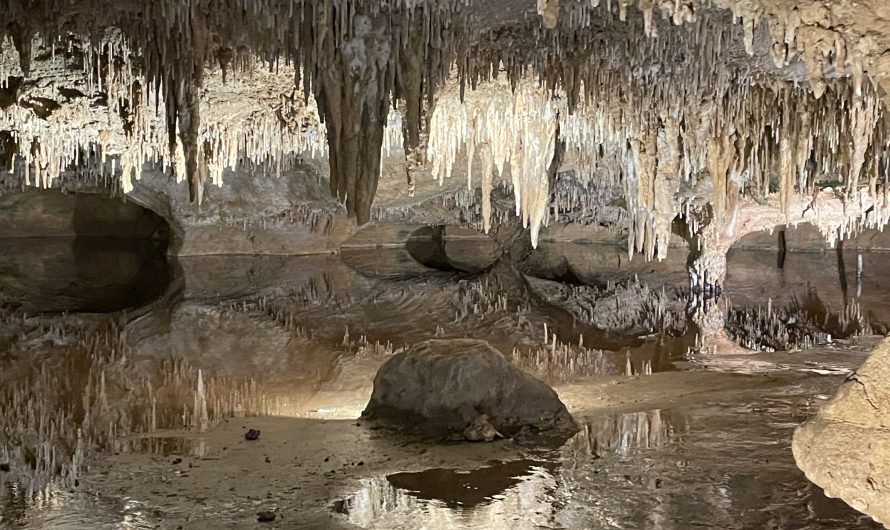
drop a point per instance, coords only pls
(188, 344)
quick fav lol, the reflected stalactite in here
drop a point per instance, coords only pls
(803, 325)
(624, 434)
(91, 396)
(450, 498)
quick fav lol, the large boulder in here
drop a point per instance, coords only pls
(442, 386)
(845, 448)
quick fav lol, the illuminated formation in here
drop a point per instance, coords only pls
(695, 112)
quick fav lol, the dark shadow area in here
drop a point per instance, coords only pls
(465, 489)
(87, 253)
(98, 216)
(455, 488)
(38, 213)
(409, 251)
(86, 275)
(452, 249)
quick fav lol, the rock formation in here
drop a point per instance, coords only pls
(443, 386)
(285, 127)
(694, 114)
(844, 447)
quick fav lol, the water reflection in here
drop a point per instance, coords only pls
(450, 248)
(674, 467)
(404, 251)
(600, 262)
(487, 497)
(71, 510)
(169, 445)
(626, 434)
(90, 275)
(89, 396)
(717, 465)
(815, 284)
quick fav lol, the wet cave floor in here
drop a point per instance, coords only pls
(137, 418)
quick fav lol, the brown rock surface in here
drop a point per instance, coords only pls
(444, 385)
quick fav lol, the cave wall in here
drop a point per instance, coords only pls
(49, 213)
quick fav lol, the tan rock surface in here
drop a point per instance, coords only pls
(846, 448)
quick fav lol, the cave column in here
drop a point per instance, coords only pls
(711, 229)
(706, 266)
(707, 271)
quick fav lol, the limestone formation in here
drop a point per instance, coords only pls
(845, 447)
(308, 189)
(690, 107)
(442, 386)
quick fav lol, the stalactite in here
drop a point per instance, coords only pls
(787, 167)
(721, 154)
(158, 77)
(641, 200)
(188, 123)
(410, 83)
(804, 148)
(549, 11)
(864, 115)
(352, 91)
(519, 128)
(665, 207)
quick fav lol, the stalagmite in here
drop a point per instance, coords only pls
(201, 418)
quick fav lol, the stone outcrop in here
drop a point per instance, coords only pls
(845, 449)
(253, 215)
(442, 386)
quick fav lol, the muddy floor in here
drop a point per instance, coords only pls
(137, 418)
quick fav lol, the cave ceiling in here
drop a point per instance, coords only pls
(695, 109)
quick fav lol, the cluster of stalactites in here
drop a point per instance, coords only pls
(797, 33)
(860, 212)
(255, 117)
(670, 119)
(176, 40)
(672, 149)
(739, 133)
(502, 127)
(764, 140)
(58, 122)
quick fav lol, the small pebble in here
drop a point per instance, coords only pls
(265, 517)
(252, 435)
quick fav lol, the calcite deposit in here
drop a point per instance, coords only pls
(691, 108)
(844, 448)
(310, 187)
